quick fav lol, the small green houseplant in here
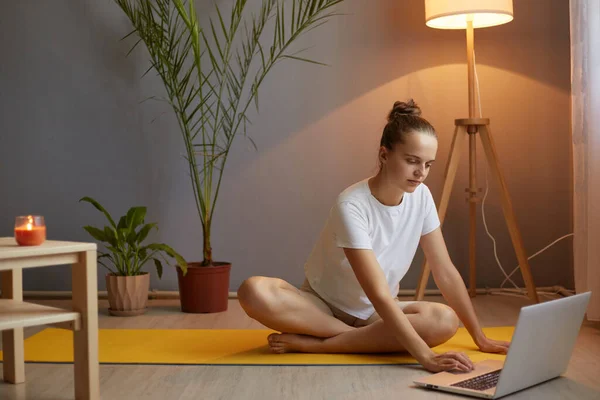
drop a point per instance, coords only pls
(211, 77)
(126, 283)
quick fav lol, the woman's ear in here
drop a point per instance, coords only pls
(383, 154)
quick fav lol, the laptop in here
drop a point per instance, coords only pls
(540, 350)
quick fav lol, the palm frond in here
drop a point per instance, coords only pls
(208, 82)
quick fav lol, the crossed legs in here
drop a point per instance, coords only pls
(308, 328)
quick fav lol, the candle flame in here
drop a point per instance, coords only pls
(29, 225)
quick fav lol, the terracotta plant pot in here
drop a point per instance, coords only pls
(204, 289)
(127, 295)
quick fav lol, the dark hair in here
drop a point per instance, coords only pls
(404, 118)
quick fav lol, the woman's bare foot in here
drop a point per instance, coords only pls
(291, 342)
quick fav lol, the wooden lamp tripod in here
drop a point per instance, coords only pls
(470, 14)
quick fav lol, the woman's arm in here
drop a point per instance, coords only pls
(372, 280)
(452, 286)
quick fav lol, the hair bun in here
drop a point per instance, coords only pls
(401, 108)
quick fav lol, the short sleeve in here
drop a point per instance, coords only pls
(431, 220)
(350, 226)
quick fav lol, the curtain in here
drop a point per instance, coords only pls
(585, 108)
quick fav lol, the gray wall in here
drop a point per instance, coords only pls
(72, 126)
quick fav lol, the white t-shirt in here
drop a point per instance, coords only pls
(359, 221)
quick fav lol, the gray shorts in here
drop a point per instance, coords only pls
(308, 293)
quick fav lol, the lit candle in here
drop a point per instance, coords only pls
(30, 230)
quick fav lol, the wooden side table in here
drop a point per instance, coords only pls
(15, 314)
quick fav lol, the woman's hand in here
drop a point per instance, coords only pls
(450, 361)
(492, 346)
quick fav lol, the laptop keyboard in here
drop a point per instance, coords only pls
(481, 382)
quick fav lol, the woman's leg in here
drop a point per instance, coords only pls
(282, 307)
(434, 322)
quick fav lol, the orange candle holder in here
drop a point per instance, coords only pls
(30, 230)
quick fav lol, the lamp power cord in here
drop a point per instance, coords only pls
(517, 291)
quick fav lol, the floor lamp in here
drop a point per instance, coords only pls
(471, 14)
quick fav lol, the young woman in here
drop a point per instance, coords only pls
(348, 302)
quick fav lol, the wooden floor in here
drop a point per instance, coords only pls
(55, 382)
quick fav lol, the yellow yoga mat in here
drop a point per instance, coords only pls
(220, 347)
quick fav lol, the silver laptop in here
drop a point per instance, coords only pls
(540, 350)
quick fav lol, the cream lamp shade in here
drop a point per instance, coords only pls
(454, 14)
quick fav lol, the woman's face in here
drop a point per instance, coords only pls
(408, 164)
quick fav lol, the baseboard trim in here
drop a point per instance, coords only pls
(165, 294)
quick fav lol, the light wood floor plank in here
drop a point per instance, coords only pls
(127, 382)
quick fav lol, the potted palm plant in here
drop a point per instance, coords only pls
(127, 285)
(211, 77)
